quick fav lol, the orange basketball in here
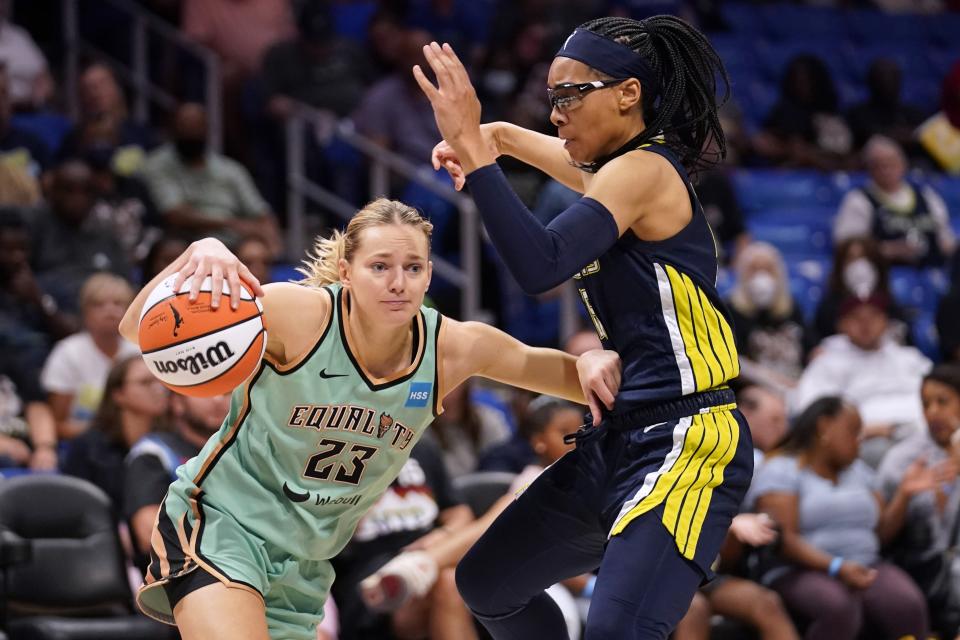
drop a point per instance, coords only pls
(197, 350)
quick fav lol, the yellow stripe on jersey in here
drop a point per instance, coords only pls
(681, 303)
(668, 479)
(716, 470)
(686, 487)
(707, 339)
(703, 335)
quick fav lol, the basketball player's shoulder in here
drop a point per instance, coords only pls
(642, 172)
(294, 315)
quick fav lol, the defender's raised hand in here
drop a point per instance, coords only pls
(455, 107)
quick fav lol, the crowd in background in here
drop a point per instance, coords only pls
(854, 425)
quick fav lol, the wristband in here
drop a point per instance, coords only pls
(589, 587)
(835, 565)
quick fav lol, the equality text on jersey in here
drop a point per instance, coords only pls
(351, 418)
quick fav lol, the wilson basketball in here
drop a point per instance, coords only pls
(197, 350)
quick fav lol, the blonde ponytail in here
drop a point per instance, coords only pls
(322, 266)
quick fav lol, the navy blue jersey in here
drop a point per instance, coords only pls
(656, 304)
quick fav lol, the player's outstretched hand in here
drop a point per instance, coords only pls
(455, 107)
(600, 373)
(210, 257)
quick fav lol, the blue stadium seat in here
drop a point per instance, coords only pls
(775, 56)
(922, 92)
(943, 58)
(757, 98)
(877, 27)
(912, 58)
(351, 19)
(851, 93)
(788, 22)
(943, 28)
(925, 336)
(742, 18)
(735, 51)
(765, 190)
(797, 237)
(949, 189)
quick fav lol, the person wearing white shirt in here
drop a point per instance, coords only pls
(911, 223)
(76, 370)
(872, 372)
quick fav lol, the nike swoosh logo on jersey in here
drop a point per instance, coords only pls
(325, 375)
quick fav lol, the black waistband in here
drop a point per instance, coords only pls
(672, 410)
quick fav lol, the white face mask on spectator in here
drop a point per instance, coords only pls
(860, 277)
(761, 289)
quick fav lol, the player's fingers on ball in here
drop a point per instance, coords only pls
(250, 280)
(197, 279)
(233, 279)
(216, 284)
(185, 273)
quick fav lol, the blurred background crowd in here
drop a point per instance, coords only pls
(129, 128)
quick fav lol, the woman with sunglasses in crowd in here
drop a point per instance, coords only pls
(649, 492)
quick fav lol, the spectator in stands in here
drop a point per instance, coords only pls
(239, 31)
(132, 406)
(395, 113)
(31, 85)
(19, 149)
(18, 188)
(766, 413)
(884, 112)
(804, 128)
(28, 435)
(199, 191)
(858, 270)
(921, 547)
(315, 68)
(69, 244)
(420, 507)
(875, 374)
(30, 318)
(254, 252)
(162, 252)
(104, 121)
(152, 462)
(76, 371)
(910, 223)
(833, 522)
(123, 204)
(466, 429)
(772, 337)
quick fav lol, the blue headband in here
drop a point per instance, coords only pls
(609, 57)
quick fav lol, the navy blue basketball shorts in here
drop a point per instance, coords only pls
(646, 498)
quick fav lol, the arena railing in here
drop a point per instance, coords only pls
(382, 164)
(136, 74)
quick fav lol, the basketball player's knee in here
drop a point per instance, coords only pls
(623, 625)
(766, 605)
(467, 583)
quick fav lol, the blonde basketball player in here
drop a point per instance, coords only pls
(355, 369)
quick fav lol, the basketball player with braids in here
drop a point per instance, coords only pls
(649, 492)
(354, 371)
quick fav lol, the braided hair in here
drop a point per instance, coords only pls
(683, 108)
